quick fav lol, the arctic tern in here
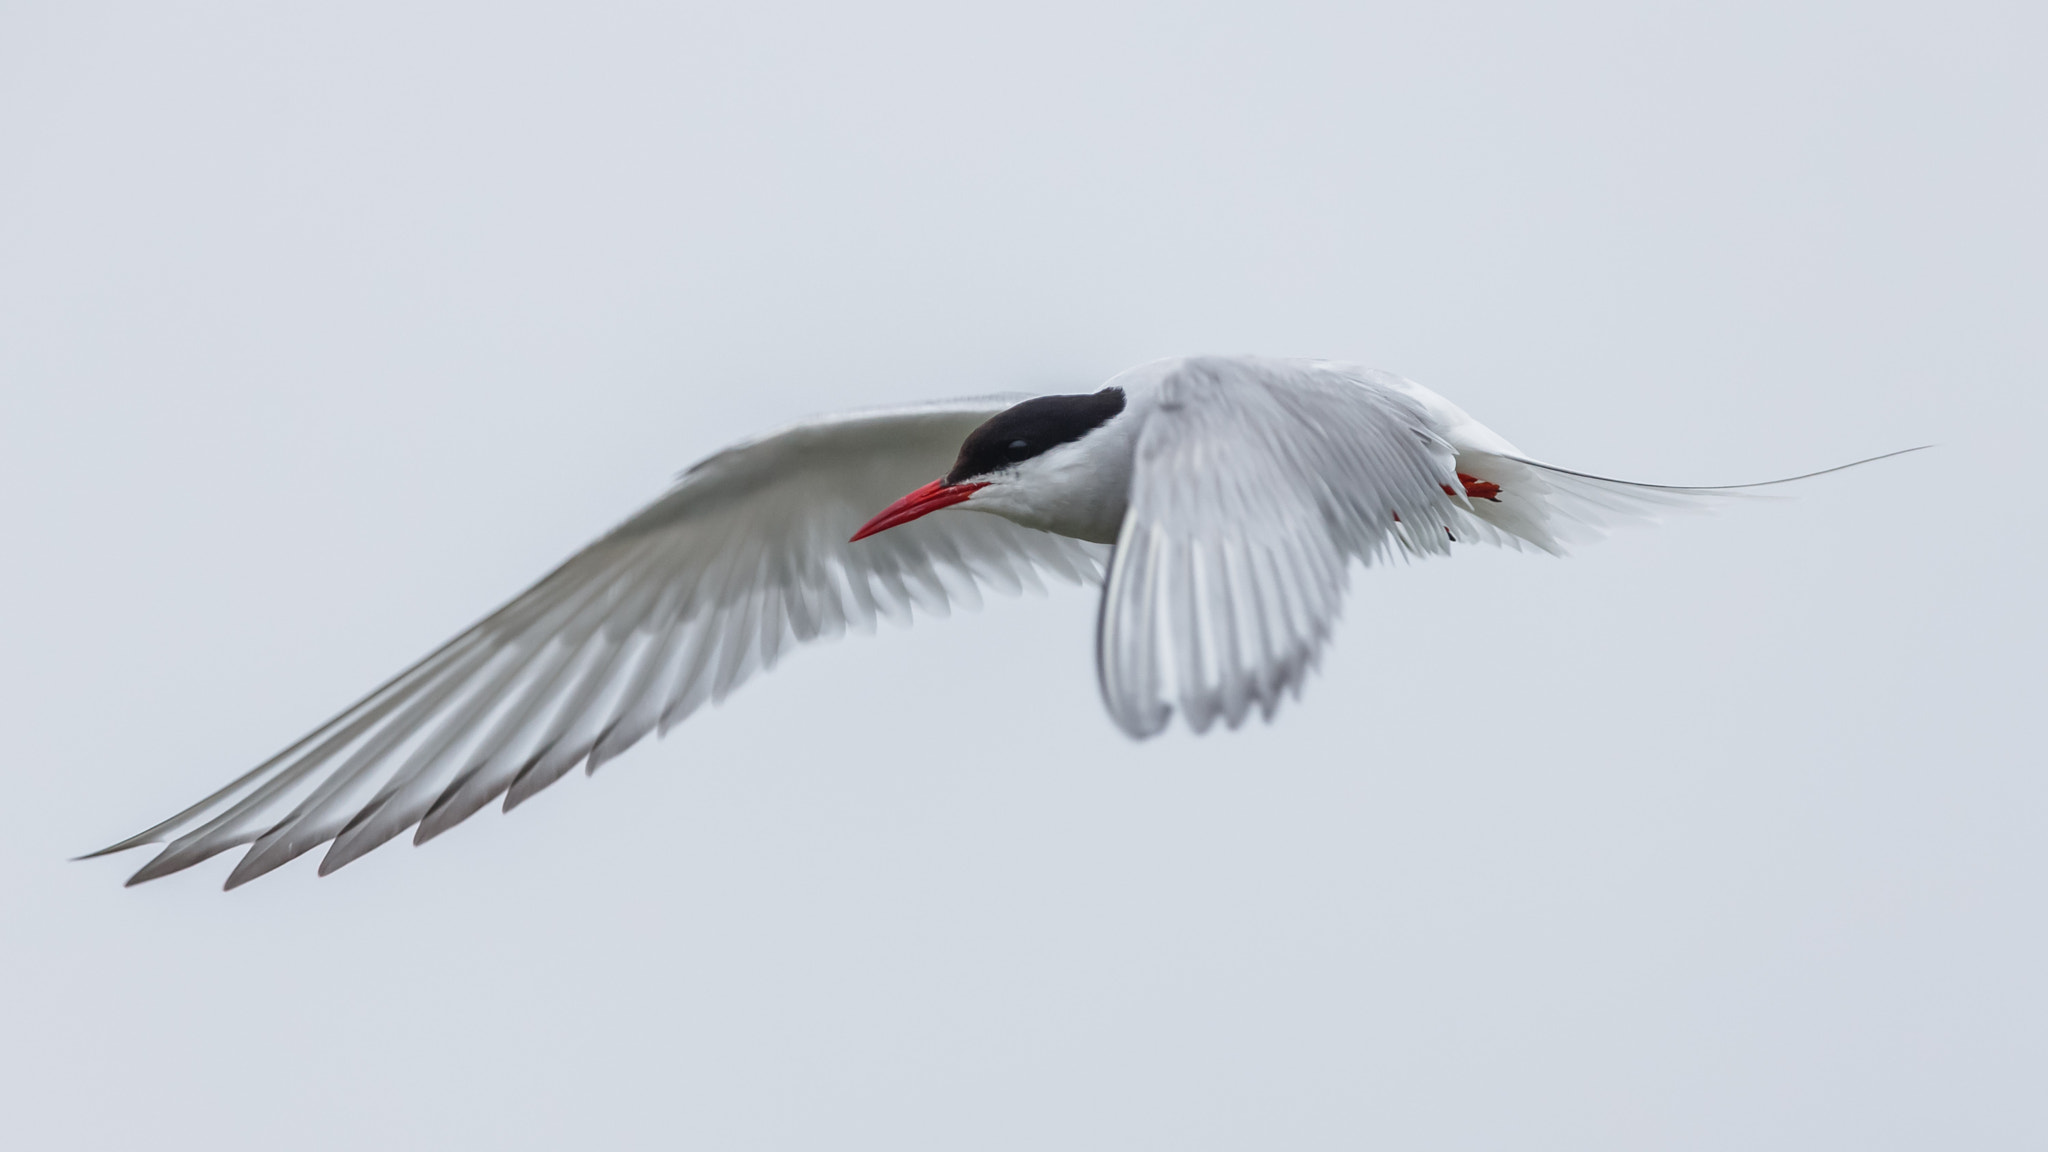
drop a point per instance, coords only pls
(1220, 500)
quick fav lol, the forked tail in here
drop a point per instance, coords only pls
(1550, 507)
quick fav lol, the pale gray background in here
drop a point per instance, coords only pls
(322, 328)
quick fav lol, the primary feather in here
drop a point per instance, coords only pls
(674, 608)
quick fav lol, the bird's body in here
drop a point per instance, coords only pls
(1222, 497)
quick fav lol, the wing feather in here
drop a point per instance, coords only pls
(1256, 483)
(744, 559)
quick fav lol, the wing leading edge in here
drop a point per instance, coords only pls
(744, 559)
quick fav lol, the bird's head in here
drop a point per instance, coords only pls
(1004, 460)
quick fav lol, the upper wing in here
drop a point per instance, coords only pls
(678, 605)
(1256, 482)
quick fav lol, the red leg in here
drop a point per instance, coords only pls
(1479, 489)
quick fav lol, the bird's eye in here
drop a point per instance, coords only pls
(1018, 448)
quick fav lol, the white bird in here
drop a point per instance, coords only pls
(1225, 497)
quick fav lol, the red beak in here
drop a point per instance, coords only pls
(930, 498)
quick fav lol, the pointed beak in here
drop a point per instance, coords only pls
(930, 498)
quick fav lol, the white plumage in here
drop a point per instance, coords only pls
(1237, 491)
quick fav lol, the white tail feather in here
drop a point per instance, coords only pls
(1551, 507)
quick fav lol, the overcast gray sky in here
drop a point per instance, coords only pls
(324, 327)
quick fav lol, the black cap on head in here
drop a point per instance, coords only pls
(1024, 431)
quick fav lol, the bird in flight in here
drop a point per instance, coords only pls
(1219, 500)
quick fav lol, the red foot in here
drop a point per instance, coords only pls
(1475, 488)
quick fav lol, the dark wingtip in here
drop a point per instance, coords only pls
(118, 846)
(513, 796)
(598, 753)
(154, 870)
(264, 857)
(243, 873)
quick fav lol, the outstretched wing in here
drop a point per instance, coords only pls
(1255, 483)
(746, 556)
